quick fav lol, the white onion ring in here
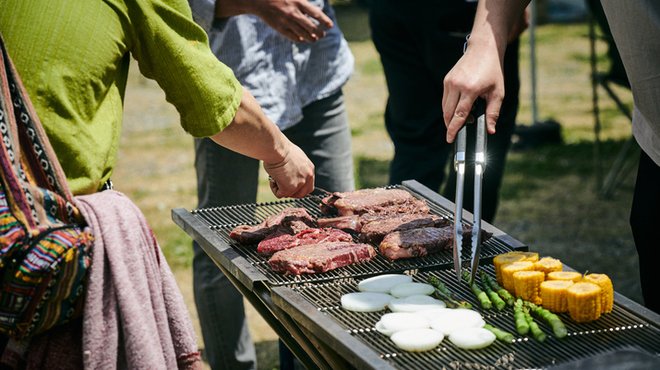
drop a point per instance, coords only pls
(382, 283)
(407, 289)
(455, 319)
(396, 321)
(472, 338)
(417, 340)
(415, 303)
(365, 301)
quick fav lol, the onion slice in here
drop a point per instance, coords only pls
(365, 301)
(382, 283)
(390, 323)
(407, 289)
(417, 340)
(472, 338)
(455, 319)
(415, 303)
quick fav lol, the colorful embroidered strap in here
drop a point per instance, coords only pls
(43, 247)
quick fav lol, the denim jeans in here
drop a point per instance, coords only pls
(227, 178)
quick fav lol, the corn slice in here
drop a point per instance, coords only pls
(509, 269)
(584, 301)
(502, 260)
(531, 256)
(573, 276)
(553, 295)
(547, 265)
(604, 282)
(528, 285)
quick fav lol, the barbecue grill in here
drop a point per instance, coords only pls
(305, 310)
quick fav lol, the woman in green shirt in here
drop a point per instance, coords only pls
(73, 58)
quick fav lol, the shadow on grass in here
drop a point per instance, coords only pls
(371, 173)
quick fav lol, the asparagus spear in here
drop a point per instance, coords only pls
(538, 334)
(519, 314)
(506, 296)
(494, 297)
(444, 294)
(502, 335)
(484, 301)
(553, 320)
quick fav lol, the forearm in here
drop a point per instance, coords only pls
(252, 134)
(493, 22)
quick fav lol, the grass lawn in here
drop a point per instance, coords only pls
(549, 197)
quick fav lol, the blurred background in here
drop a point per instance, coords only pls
(551, 199)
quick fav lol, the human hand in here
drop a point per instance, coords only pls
(293, 177)
(293, 18)
(476, 74)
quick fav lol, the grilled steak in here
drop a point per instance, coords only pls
(375, 231)
(424, 241)
(280, 241)
(288, 221)
(315, 258)
(350, 222)
(362, 201)
(354, 222)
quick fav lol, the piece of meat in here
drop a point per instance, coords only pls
(424, 241)
(350, 222)
(315, 258)
(375, 231)
(280, 241)
(361, 201)
(287, 221)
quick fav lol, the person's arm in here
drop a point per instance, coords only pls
(479, 71)
(252, 134)
(291, 18)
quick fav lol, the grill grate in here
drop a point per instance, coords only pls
(223, 219)
(616, 330)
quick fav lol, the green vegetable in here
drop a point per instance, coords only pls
(506, 296)
(444, 294)
(484, 301)
(500, 334)
(494, 297)
(538, 334)
(558, 327)
(519, 315)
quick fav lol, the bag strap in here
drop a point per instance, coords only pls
(37, 191)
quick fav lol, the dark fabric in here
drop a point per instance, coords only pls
(644, 219)
(419, 42)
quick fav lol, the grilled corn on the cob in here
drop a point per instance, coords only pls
(553, 295)
(584, 301)
(604, 282)
(502, 260)
(527, 285)
(573, 276)
(509, 269)
(548, 264)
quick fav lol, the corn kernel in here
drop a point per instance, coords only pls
(573, 276)
(527, 285)
(584, 301)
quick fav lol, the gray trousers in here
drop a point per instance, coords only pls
(227, 178)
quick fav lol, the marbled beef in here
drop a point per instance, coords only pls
(288, 221)
(375, 231)
(280, 241)
(362, 201)
(315, 258)
(424, 241)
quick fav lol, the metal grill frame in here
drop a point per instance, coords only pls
(321, 340)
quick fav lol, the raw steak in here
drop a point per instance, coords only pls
(375, 231)
(280, 241)
(424, 241)
(315, 258)
(361, 201)
(288, 221)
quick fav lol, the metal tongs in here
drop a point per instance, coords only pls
(479, 167)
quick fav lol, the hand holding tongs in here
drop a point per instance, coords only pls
(459, 167)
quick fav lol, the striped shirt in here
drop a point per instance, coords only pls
(282, 75)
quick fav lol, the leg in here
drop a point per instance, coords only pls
(223, 178)
(325, 136)
(644, 218)
(418, 44)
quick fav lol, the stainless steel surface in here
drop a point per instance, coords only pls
(459, 167)
(479, 168)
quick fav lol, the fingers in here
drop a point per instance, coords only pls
(456, 111)
(492, 114)
(317, 14)
(303, 26)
